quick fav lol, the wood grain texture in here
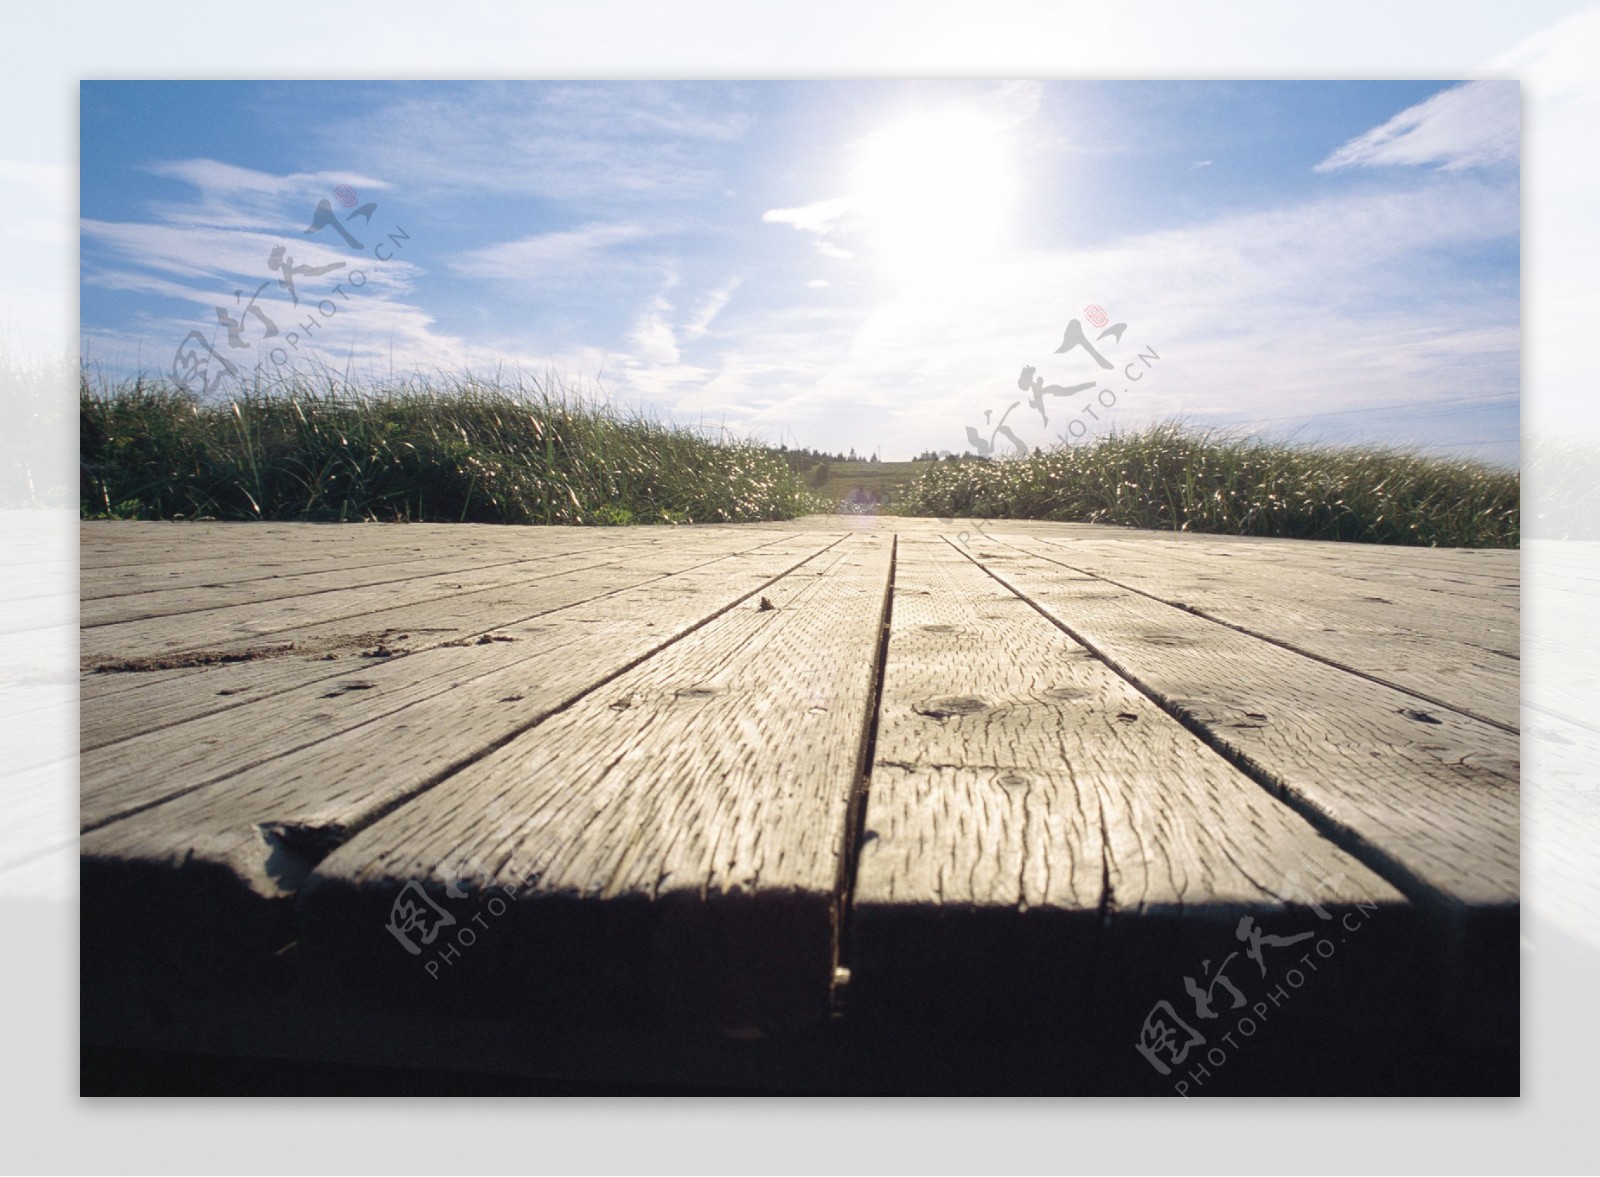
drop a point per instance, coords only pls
(303, 656)
(218, 862)
(1449, 653)
(676, 842)
(209, 627)
(1035, 826)
(1077, 790)
(1428, 799)
(456, 699)
(257, 591)
(1348, 584)
(114, 545)
(340, 550)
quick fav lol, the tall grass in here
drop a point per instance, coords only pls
(451, 450)
(35, 403)
(1174, 478)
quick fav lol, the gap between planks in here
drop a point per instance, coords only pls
(1432, 809)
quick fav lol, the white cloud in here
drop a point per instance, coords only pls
(585, 144)
(222, 256)
(822, 218)
(1344, 302)
(713, 306)
(1199, 163)
(817, 217)
(535, 256)
(652, 336)
(210, 176)
(213, 251)
(229, 197)
(1472, 125)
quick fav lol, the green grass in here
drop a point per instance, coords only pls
(886, 480)
(35, 470)
(1177, 479)
(463, 450)
(454, 450)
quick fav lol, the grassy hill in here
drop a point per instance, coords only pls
(887, 482)
(462, 450)
(446, 451)
(1171, 478)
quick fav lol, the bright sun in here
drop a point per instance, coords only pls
(935, 191)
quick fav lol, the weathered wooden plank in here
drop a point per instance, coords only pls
(667, 830)
(253, 621)
(206, 876)
(102, 584)
(1422, 648)
(223, 592)
(223, 588)
(676, 843)
(344, 551)
(107, 546)
(1480, 576)
(121, 544)
(300, 656)
(567, 621)
(1428, 799)
(1350, 580)
(1034, 823)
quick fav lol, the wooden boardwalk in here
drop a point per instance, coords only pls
(845, 804)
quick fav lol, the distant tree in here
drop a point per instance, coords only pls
(852, 457)
(874, 458)
(819, 475)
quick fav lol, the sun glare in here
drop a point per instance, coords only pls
(935, 192)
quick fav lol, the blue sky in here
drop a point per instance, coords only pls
(839, 264)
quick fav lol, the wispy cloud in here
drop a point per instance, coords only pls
(544, 253)
(652, 337)
(204, 260)
(225, 179)
(588, 144)
(713, 305)
(1333, 303)
(822, 218)
(606, 229)
(231, 197)
(1473, 125)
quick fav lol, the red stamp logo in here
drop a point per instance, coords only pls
(347, 197)
(1096, 315)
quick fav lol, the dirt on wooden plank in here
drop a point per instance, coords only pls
(373, 644)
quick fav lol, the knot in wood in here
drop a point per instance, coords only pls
(951, 705)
